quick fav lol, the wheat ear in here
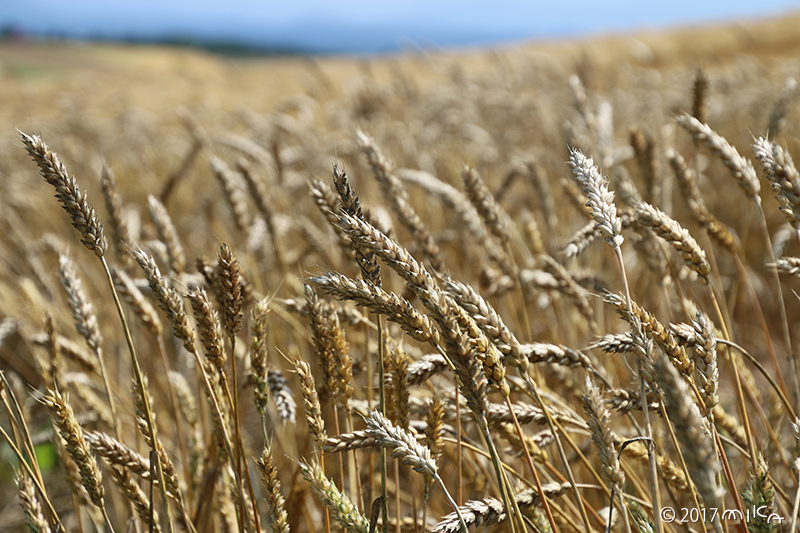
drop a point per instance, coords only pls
(258, 356)
(69, 429)
(335, 501)
(741, 169)
(86, 323)
(758, 493)
(34, 514)
(687, 182)
(397, 196)
(394, 307)
(783, 175)
(278, 519)
(282, 395)
(72, 199)
(407, 449)
(120, 233)
(167, 234)
(680, 239)
(700, 95)
(235, 193)
(781, 107)
(490, 511)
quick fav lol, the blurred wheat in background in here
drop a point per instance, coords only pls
(543, 289)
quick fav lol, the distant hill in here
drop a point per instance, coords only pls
(308, 37)
(360, 26)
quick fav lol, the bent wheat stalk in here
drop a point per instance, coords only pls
(604, 212)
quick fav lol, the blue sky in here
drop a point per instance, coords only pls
(315, 23)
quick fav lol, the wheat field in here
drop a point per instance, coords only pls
(403, 294)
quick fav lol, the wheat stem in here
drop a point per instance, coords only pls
(53, 516)
(651, 456)
(138, 378)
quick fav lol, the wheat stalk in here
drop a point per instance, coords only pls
(692, 433)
